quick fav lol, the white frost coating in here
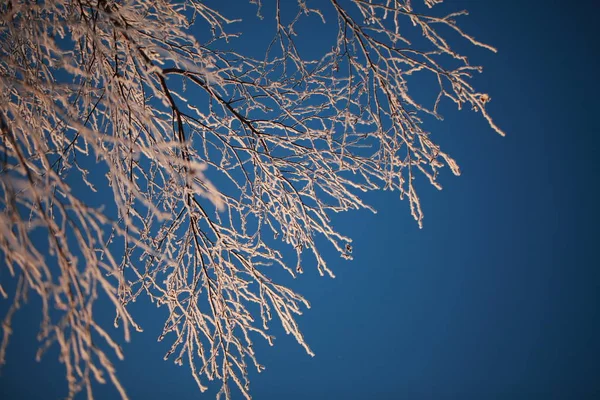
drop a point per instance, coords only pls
(214, 161)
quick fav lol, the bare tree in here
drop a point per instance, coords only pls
(120, 96)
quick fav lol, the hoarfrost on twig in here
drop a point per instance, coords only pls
(212, 158)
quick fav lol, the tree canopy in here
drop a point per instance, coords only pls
(213, 160)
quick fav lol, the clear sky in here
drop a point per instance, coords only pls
(498, 296)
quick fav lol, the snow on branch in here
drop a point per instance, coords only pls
(160, 165)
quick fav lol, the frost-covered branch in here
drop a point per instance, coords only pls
(205, 160)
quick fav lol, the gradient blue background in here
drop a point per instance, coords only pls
(496, 298)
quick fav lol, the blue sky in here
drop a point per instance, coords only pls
(496, 298)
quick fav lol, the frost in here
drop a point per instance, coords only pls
(214, 161)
